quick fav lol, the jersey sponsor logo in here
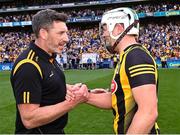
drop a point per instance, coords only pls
(113, 86)
(51, 74)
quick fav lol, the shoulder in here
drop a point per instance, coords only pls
(26, 64)
(23, 55)
(140, 67)
(138, 56)
(25, 69)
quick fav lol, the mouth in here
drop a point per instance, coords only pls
(62, 44)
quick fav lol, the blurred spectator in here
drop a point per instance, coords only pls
(161, 38)
(12, 44)
(158, 38)
(161, 6)
(164, 6)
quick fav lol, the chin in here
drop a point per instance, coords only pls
(58, 51)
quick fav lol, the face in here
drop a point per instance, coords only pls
(105, 36)
(57, 37)
(108, 39)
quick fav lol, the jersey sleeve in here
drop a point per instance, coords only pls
(140, 68)
(27, 84)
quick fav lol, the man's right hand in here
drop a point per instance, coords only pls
(77, 94)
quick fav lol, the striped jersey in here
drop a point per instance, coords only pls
(135, 68)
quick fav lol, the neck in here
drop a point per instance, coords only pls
(41, 44)
(125, 42)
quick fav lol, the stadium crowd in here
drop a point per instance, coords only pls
(22, 3)
(93, 12)
(154, 7)
(13, 43)
(160, 39)
(163, 6)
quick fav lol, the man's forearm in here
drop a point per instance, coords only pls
(102, 100)
(142, 123)
(44, 115)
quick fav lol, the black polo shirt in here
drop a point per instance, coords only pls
(37, 78)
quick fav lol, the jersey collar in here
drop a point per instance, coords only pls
(130, 46)
(41, 53)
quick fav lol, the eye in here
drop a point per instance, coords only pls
(61, 32)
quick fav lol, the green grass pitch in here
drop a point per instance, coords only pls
(87, 119)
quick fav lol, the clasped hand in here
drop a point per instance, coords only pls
(77, 93)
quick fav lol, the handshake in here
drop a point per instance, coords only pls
(79, 93)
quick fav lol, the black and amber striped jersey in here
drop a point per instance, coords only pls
(135, 68)
(36, 78)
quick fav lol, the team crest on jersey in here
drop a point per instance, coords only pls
(113, 86)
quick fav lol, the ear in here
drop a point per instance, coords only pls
(43, 33)
(118, 29)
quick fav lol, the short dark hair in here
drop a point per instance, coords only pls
(45, 18)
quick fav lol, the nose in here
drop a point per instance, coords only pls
(104, 35)
(66, 38)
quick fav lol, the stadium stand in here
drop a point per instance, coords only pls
(160, 27)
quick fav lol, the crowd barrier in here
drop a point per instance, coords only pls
(6, 66)
(104, 64)
(170, 63)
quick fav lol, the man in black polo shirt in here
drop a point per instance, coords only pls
(38, 82)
